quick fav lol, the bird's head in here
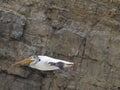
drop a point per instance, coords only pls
(33, 59)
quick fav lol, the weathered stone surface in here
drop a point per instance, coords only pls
(12, 24)
(64, 42)
(18, 28)
(98, 43)
(86, 32)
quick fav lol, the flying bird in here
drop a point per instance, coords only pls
(44, 63)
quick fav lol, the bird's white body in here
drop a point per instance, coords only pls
(43, 64)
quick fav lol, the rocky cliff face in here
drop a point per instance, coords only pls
(86, 32)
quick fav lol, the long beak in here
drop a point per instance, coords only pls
(25, 61)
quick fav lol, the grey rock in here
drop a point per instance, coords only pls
(86, 32)
(18, 28)
(12, 24)
(67, 41)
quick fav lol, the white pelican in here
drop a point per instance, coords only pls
(44, 63)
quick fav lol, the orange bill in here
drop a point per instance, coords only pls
(25, 61)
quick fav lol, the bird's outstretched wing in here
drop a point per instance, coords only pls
(60, 65)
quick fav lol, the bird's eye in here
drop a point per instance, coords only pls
(39, 60)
